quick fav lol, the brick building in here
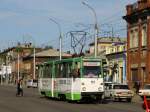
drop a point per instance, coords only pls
(40, 57)
(9, 57)
(138, 42)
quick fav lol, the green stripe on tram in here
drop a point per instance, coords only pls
(56, 94)
(48, 93)
(74, 96)
(69, 96)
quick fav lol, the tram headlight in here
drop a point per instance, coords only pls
(84, 89)
(82, 83)
(100, 89)
(101, 83)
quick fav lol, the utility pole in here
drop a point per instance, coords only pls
(60, 46)
(1, 65)
(34, 62)
(1, 79)
(1, 62)
(18, 66)
(6, 81)
(95, 27)
(18, 49)
(60, 38)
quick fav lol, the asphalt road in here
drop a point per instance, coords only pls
(33, 102)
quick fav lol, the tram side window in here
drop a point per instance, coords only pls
(40, 72)
(69, 70)
(58, 70)
(76, 70)
(64, 70)
(47, 71)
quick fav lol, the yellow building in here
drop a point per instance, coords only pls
(116, 61)
(105, 42)
(113, 50)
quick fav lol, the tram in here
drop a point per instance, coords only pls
(71, 79)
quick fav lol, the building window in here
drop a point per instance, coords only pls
(27, 66)
(121, 74)
(134, 75)
(134, 38)
(144, 74)
(144, 35)
(144, 54)
(131, 39)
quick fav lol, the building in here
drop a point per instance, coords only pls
(116, 63)
(12, 58)
(138, 42)
(108, 51)
(104, 42)
(40, 57)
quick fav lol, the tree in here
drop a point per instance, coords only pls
(114, 71)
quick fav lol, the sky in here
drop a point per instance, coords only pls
(29, 20)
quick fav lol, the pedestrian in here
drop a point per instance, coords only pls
(19, 88)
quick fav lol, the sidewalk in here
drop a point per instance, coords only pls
(12, 85)
(137, 99)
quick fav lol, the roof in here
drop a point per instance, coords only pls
(110, 40)
(101, 54)
(50, 53)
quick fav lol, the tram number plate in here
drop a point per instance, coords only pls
(64, 82)
(92, 82)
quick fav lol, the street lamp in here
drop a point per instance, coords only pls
(18, 62)
(60, 37)
(96, 27)
(34, 62)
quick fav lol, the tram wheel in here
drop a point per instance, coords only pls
(62, 97)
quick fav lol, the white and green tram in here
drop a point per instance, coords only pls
(72, 79)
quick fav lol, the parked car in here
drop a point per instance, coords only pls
(118, 92)
(145, 91)
(32, 83)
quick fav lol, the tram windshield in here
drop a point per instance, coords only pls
(91, 71)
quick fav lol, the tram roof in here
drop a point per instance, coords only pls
(71, 60)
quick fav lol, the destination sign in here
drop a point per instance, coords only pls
(91, 63)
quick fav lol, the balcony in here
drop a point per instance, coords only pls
(115, 49)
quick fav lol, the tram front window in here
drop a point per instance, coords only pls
(91, 71)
